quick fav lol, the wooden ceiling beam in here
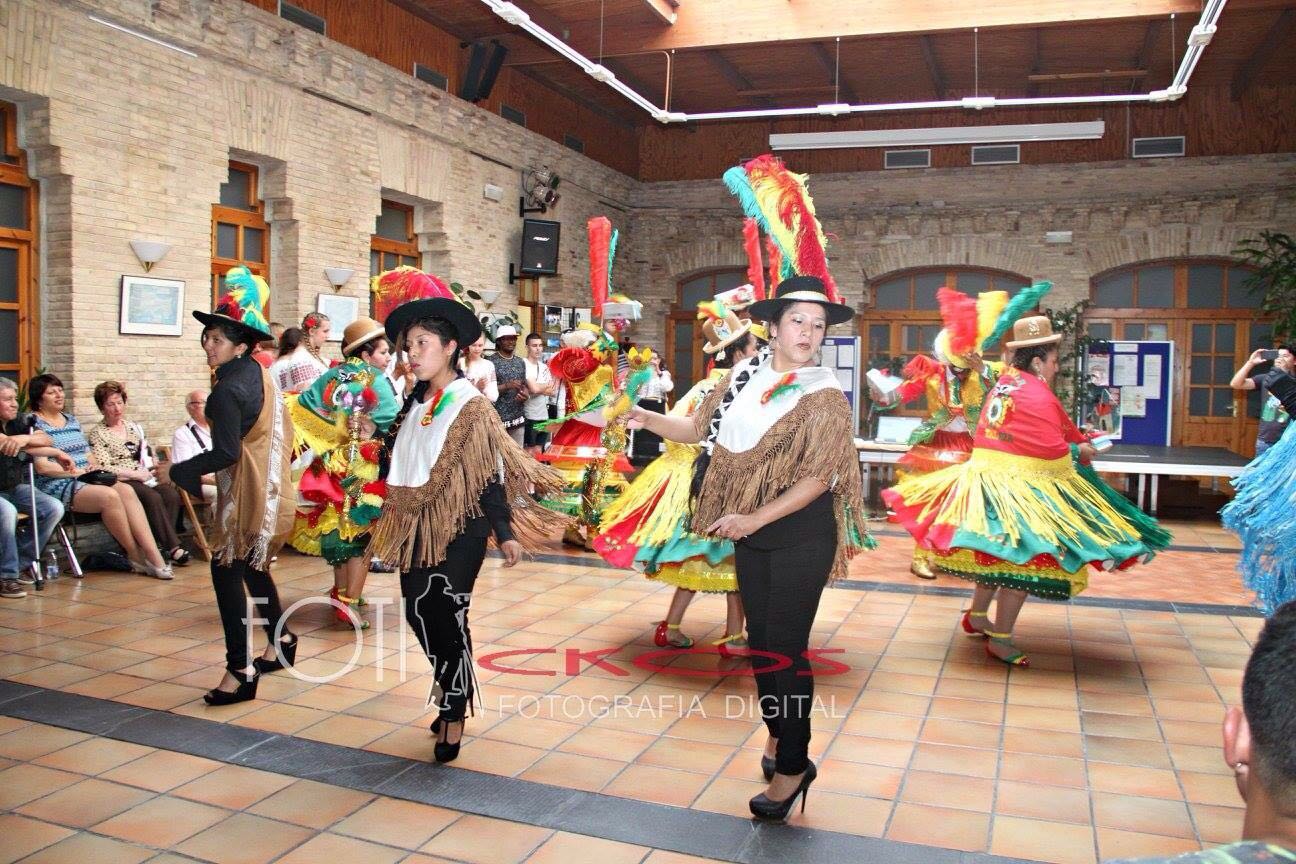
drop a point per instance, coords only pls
(845, 92)
(723, 23)
(663, 9)
(736, 79)
(933, 68)
(1145, 52)
(627, 118)
(1105, 74)
(1264, 52)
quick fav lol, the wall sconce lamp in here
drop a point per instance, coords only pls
(488, 295)
(338, 276)
(149, 252)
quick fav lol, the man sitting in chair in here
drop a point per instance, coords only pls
(194, 437)
(17, 496)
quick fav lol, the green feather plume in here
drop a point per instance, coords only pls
(1027, 299)
(612, 244)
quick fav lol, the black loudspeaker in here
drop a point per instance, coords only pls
(480, 75)
(539, 247)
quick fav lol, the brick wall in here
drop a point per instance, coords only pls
(130, 140)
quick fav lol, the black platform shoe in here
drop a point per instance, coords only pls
(763, 807)
(768, 766)
(444, 751)
(247, 687)
(284, 657)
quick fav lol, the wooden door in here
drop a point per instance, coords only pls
(685, 359)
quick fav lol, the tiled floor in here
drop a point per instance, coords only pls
(1107, 747)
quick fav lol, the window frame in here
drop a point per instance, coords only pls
(253, 218)
(26, 304)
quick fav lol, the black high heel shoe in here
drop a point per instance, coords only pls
(764, 807)
(444, 751)
(768, 766)
(247, 687)
(285, 656)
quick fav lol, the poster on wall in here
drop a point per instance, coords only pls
(583, 316)
(1104, 414)
(553, 319)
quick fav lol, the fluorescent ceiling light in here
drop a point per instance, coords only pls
(1198, 39)
(937, 136)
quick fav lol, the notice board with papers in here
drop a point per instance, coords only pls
(1129, 393)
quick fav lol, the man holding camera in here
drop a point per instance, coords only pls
(1273, 417)
(17, 444)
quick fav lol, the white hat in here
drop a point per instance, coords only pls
(504, 331)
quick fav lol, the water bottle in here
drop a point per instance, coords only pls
(51, 566)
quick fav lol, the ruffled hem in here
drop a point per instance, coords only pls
(699, 575)
(1264, 520)
(1040, 578)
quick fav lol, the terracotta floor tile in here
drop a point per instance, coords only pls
(1142, 815)
(1042, 840)
(244, 839)
(574, 772)
(311, 804)
(24, 782)
(479, 840)
(1130, 844)
(88, 847)
(233, 786)
(875, 751)
(1217, 789)
(1134, 780)
(94, 756)
(958, 829)
(960, 733)
(696, 756)
(615, 744)
(86, 803)
(162, 822)
(497, 757)
(848, 814)
(161, 770)
(1044, 719)
(35, 740)
(660, 856)
(1116, 703)
(564, 847)
(947, 759)
(1127, 751)
(873, 781)
(1032, 768)
(332, 847)
(1187, 732)
(894, 703)
(1051, 803)
(973, 710)
(393, 822)
(533, 732)
(347, 731)
(662, 785)
(283, 719)
(23, 836)
(877, 724)
(730, 796)
(716, 730)
(1203, 760)
(948, 790)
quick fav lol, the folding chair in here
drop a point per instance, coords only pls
(196, 527)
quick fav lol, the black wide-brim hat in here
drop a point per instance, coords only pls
(214, 319)
(461, 318)
(800, 289)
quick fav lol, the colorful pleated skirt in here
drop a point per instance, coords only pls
(1263, 515)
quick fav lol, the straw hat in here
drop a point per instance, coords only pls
(359, 333)
(1034, 330)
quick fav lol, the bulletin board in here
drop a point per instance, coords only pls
(842, 354)
(1130, 395)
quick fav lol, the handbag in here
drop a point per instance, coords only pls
(98, 477)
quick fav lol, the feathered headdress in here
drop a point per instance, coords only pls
(243, 302)
(959, 315)
(400, 286)
(1026, 300)
(602, 252)
(781, 205)
(755, 267)
(917, 372)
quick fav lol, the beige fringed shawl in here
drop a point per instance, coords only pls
(813, 439)
(419, 522)
(255, 501)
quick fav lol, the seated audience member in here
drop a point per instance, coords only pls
(117, 503)
(120, 446)
(194, 437)
(1260, 747)
(16, 496)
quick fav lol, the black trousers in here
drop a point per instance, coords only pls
(436, 608)
(228, 581)
(782, 570)
(647, 445)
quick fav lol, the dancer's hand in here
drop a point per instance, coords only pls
(512, 550)
(733, 526)
(637, 418)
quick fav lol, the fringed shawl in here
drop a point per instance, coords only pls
(814, 439)
(255, 506)
(419, 522)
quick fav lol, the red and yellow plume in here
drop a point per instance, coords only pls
(600, 245)
(789, 211)
(959, 315)
(775, 262)
(989, 304)
(397, 287)
(917, 372)
(751, 243)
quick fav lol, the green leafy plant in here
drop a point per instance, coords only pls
(1273, 254)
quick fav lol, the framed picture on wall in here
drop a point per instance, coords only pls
(341, 311)
(151, 307)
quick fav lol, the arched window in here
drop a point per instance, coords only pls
(904, 317)
(240, 233)
(1207, 309)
